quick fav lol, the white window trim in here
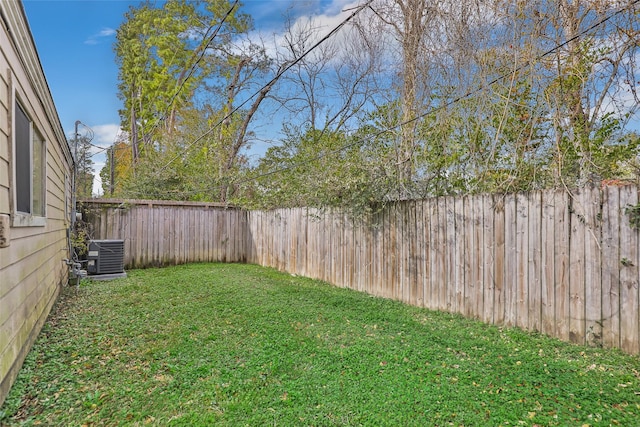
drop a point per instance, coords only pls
(23, 219)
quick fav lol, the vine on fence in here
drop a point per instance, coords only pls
(633, 211)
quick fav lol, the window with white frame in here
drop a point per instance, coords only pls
(30, 163)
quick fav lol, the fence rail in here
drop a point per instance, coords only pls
(565, 264)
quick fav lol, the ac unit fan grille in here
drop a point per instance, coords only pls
(106, 257)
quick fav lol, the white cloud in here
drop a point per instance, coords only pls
(105, 135)
(102, 34)
(337, 6)
(101, 136)
(305, 16)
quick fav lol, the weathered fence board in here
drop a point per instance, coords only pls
(470, 294)
(610, 284)
(443, 248)
(488, 258)
(498, 260)
(593, 265)
(450, 241)
(459, 253)
(563, 263)
(547, 276)
(534, 279)
(576, 266)
(628, 275)
(511, 255)
(522, 261)
(561, 248)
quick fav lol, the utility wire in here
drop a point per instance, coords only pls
(195, 64)
(431, 111)
(191, 71)
(267, 85)
(86, 139)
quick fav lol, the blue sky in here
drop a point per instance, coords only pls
(74, 39)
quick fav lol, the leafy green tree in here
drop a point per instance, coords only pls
(164, 54)
(588, 84)
(510, 95)
(187, 72)
(410, 23)
(320, 169)
(118, 167)
(415, 101)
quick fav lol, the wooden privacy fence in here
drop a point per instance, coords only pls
(565, 264)
(158, 233)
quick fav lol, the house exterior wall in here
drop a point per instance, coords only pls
(32, 266)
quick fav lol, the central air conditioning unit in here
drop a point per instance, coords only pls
(106, 257)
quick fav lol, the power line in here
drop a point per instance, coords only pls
(267, 85)
(190, 73)
(264, 87)
(195, 64)
(431, 111)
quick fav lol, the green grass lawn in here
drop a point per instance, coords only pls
(236, 345)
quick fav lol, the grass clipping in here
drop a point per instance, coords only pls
(219, 344)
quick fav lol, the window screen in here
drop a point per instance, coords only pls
(23, 160)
